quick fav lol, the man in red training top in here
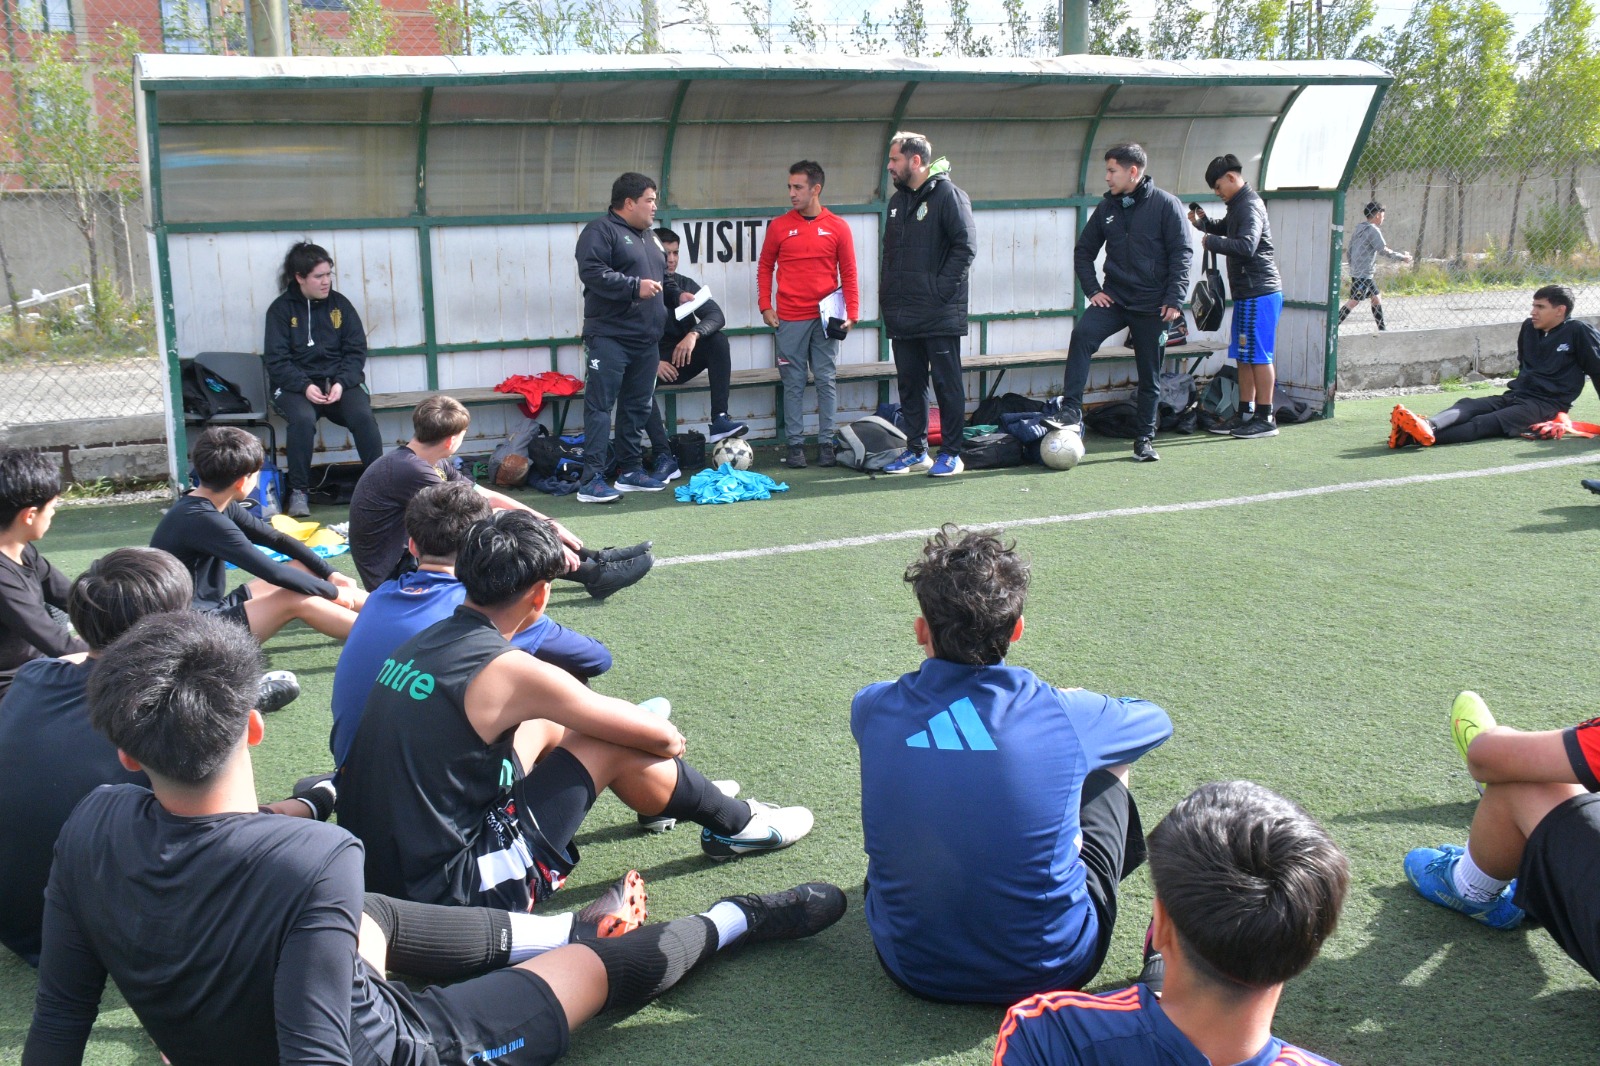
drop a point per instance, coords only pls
(815, 255)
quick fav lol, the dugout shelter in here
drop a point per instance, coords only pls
(450, 192)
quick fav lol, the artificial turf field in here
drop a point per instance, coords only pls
(1311, 642)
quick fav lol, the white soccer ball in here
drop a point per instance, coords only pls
(1060, 449)
(735, 451)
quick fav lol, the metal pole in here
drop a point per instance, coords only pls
(1074, 27)
(269, 28)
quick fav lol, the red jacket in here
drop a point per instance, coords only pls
(814, 256)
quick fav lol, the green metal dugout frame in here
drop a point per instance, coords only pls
(206, 123)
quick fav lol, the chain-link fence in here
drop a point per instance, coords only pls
(1484, 154)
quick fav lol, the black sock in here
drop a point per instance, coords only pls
(1344, 313)
(440, 943)
(696, 799)
(1247, 410)
(588, 569)
(1377, 314)
(653, 958)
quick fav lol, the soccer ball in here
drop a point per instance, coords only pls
(1060, 449)
(733, 451)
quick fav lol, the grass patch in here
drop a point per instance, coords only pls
(1312, 644)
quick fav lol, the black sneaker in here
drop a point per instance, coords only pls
(299, 504)
(276, 690)
(618, 575)
(1262, 425)
(1227, 425)
(1144, 451)
(617, 555)
(796, 459)
(1592, 484)
(802, 911)
(318, 793)
(825, 456)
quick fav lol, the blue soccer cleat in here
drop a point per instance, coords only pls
(1431, 872)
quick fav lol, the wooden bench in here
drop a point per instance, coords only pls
(983, 365)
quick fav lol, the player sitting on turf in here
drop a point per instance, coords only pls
(378, 508)
(32, 592)
(995, 807)
(475, 763)
(50, 756)
(1555, 352)
(1247, 890)
(209, 527)
(1534, 848)
(436, 520)
(243, 939)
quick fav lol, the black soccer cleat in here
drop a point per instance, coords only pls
(617, 555)
(318, 793)
(1592, 484)
(618, 575)
(277, 689)
(802, 911)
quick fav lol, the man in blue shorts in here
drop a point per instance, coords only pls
(1244, 235)
(436, 520)
(995, 806)
(1534, 848)
(1248, 889)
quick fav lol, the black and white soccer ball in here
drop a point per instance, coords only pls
(733, 451)
(1060, 449)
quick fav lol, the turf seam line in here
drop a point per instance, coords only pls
(1129, 512)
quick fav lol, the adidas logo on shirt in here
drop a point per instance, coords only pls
(944, 726)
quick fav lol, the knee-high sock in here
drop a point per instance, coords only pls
(1377, 314)
(695, 799)
(648, 961)
(1445, 419)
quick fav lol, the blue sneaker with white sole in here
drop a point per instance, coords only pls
(597, 491)
(638, 481)
(909, 462)
(722, 427)
(1431, 872)
(947, 465)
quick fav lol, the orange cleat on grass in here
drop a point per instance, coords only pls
(1411, 425)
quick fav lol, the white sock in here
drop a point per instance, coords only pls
(535, 934)
(1474, 884)
(730, 920)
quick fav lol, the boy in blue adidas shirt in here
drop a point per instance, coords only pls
(994, 806)
(1248, 889)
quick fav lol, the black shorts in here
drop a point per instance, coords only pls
(526, 851)
(509, 1016)
(1557, 878)
(1113, 847)
(231, 608)
(1363, 288)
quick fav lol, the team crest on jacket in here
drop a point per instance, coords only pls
(294, 321)
(922, 212)
(336, 318)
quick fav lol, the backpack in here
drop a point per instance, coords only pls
(989, 410)
(1220, 401)
(207, 394)
(1209, 296)
(509, 462)
(553, 457)
(868, 444)
(1117, 419)
(268, 493)
(990, 450)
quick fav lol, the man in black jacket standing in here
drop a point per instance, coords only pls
(1147, 267)
(1244, 235)
(928, 247)
(623, 271)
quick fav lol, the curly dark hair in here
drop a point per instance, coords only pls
(971, 587)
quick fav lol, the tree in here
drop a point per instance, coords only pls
(64, 146)
(960, 38)
(369, 31)
(1176, 31)
(867, 37)
(1109, 32)
(1247, 29)
(1558, 99)
(910, 28)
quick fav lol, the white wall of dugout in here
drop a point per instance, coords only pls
(515, 280)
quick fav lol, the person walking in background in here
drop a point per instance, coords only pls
(1366, 244)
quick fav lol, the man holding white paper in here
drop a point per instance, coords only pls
(814, 255)
(693, 343)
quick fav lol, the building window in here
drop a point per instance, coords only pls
(57, 16)
(186, 26)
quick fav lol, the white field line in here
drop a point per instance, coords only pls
(1131, 512)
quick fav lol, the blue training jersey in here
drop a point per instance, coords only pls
(971, 779)
(1122, 1028)
(398, 610)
